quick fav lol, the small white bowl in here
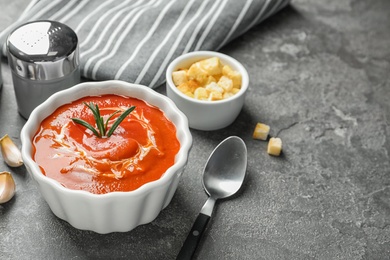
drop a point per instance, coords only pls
(207, 115)
(115, 211)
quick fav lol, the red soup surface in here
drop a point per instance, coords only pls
(140, 150)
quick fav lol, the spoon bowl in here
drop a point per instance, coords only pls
(223, 176)
(225, 169)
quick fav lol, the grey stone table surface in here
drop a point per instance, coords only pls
(320, 77)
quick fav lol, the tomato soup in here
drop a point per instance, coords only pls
(140, 150)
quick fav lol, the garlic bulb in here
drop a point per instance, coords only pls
(7, 187)
(11, 153)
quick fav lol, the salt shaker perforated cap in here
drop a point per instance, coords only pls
(43, 50)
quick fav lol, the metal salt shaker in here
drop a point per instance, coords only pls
(44, 58)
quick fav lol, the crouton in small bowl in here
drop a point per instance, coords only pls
(208, 87)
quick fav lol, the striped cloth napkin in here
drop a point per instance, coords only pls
(135, 40)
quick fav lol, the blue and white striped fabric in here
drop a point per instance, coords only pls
(134, 40)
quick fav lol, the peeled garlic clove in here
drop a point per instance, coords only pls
(11, 153)
(7, 187)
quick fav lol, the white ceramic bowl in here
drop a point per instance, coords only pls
(207, 115)
(115, 211)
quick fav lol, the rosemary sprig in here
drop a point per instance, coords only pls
(102, 125)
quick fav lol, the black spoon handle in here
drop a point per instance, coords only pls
(193, 238)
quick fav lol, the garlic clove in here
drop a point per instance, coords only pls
(7, 187)
(11, 153)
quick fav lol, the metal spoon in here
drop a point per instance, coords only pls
(223, 176)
